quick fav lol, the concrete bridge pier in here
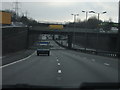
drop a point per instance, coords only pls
(70, 36)
(53, 37)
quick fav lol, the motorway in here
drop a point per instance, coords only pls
(62, 68)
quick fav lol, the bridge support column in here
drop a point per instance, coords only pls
(53, 37)
(28, 36)
(70, 41)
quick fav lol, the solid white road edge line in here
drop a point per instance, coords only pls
(17, 61)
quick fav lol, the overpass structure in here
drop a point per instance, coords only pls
(84, 36)
(76, 32)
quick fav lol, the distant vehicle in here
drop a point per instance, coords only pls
(58, 27)
(43, 48)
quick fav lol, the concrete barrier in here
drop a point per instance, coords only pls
(101, 53)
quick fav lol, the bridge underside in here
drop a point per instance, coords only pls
(103, 41)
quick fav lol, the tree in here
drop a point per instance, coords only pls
(23, 19)
(93, 23)
(107, 26)
(13, 14)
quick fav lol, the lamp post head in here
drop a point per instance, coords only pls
(75, 14)
(104, 12)
(91, 11)
(83, 11)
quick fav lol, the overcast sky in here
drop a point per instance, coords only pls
(61, 11)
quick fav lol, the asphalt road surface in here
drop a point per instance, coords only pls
(62, 68)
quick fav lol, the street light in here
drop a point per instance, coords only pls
(98, 21)
(74, 16)
(86, 14)
(104, 12)
(98, 13)
(91, 12)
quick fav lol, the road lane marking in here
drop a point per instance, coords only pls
(59, 64)
(17, 61)
(106, 64)
(59, 71)
(57, 60)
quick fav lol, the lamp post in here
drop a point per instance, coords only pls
(74, 16)
(86, 12)
(86, 15)
(98, 14)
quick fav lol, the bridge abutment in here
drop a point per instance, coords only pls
(70, 36)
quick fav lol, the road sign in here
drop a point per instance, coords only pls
(56, 27)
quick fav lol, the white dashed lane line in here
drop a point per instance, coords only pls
(57, 60)
(106, 64)
(59, 71)
(58, 64)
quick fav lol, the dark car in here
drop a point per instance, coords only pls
(43, 48)
(43, 51)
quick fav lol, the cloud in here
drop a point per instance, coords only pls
(61, 11)
(60, 0)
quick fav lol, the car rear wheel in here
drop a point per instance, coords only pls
(37, 54)
(48, 54)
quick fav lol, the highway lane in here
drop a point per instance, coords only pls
(62, 68)
(79, 68)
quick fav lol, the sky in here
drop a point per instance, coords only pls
(61, 10)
